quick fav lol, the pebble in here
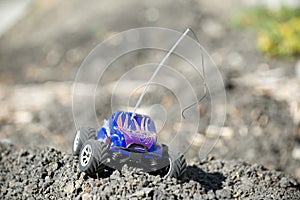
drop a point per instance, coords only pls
(296, 153)
(86, 196)
(227, 132)
(236, 60)
(70, 188)
(213, 28)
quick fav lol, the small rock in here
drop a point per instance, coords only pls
(223, 194)
(211, 194)
(69, 188)
(47, 178)
(23, 117)
(236, 60)
(227, 132)
(296, 153)
(86, 196)
(284, 182)
(263, 120)
(213, 28)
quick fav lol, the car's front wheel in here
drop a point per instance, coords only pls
(93, 156)
(83, 134)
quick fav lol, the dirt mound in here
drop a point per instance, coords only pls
(51, 174)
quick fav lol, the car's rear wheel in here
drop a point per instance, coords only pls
(83, 134)
(176, 167)
(93, 156)
(171, 164)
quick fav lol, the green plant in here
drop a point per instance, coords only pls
(278, 31)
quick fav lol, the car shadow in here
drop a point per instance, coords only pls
(209, 181)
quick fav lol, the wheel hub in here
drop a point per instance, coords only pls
(86, 155)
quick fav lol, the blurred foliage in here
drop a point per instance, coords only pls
(278, 31)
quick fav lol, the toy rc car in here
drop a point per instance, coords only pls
(125, 138)
(130, 138)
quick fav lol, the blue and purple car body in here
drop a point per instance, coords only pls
(125, 134)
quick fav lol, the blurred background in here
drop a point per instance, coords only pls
(255, 44)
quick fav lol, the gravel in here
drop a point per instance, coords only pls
(46, 173)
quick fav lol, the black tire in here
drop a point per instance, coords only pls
(82, 135)
(176, 167)
(92, 157)
(164, 163)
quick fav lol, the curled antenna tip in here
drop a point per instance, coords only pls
(187, 30)
(204, 79)
(157, 69)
